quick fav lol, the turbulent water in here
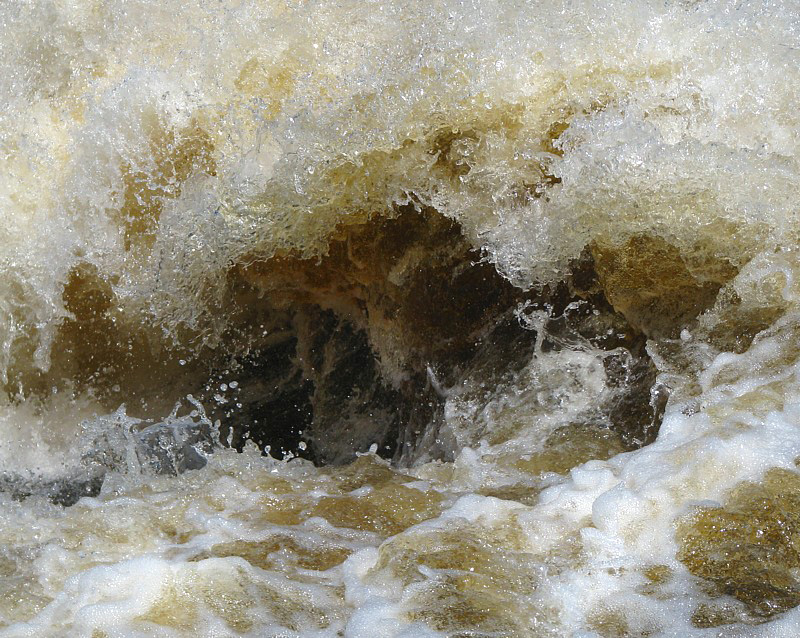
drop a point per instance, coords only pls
(411, 319)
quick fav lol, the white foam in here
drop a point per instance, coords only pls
(679, 122)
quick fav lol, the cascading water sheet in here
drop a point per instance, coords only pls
(399, 319)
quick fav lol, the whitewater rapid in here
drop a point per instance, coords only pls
(376, 319)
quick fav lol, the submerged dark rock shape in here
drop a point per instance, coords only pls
(61, 491)
(324, 356)
(364, 342)
(162, 449)
(174, 448)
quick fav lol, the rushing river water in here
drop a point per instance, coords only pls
(407, 319)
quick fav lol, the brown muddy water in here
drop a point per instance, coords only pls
(369, 319)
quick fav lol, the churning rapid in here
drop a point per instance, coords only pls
(374, 319)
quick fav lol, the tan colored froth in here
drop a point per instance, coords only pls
(570, 446)
(258, 553)
(173, 156)
(647, 279)
(749, 548)
(410, 279)
(467, 578)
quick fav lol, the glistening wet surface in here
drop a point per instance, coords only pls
(399, 320)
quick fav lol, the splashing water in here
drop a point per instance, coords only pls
(375, 319)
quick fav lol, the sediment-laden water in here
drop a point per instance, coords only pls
(399, 320)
